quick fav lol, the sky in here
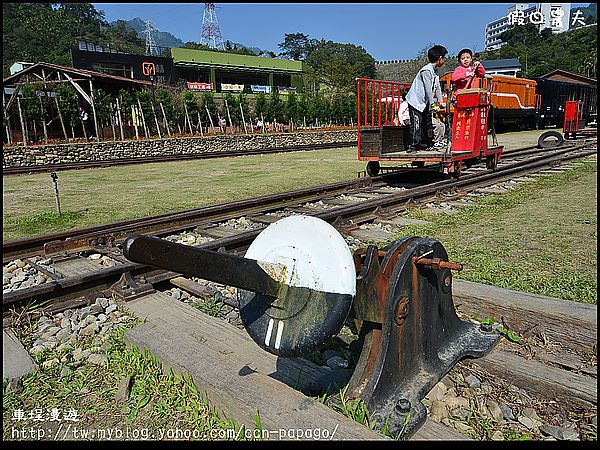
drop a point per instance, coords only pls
(387, 31)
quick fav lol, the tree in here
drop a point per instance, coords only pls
(234, 109)
(208, 102)
(102, 102)
(291, 106)
(48, 31)
(339, 76)
(67, 100)
(260, 105)
(243, 101)
(543, 52)
(296, 46)
(275, 106)
(324, 52)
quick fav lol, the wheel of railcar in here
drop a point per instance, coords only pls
(550, 139)
(373, 168)
(457, 169)
(490, 162)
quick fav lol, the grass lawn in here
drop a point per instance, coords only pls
(540, 237)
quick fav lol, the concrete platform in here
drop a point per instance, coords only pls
(16, 362)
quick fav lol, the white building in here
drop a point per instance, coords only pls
(556, 16)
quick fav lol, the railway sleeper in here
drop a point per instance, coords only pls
(298, 284)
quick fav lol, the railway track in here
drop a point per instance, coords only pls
(155, 159)
(347, 205)
(360, 209)
(104, 235)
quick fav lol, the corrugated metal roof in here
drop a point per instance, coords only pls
(569, 75)
(231, 60)
(81, 72)
(494, 64)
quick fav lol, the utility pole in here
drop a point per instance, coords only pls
(211, 33)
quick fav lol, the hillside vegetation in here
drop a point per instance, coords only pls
(35, 32)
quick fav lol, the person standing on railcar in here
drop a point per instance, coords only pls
(463, 76)
(423, 92)
(467, 71)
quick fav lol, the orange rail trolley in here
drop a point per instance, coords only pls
(383, 139)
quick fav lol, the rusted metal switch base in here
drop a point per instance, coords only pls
(411, 333)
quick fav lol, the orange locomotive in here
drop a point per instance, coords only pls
(381, 139)
(514, 100)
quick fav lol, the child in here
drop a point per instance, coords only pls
(464, 74)
(422, 94)
(463, 77)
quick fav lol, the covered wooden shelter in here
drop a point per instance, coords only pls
(84, 82)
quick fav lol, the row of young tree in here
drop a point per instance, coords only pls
(169, 112)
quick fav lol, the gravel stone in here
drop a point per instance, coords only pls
(90, 329)
(506, 411)
(495, 411)
(438, 411)
(337, 362)
(473, 381)
(561, 434)
(437, 392)
(97, 359)
(497, 436)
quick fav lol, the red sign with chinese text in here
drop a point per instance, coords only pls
(469, 127)
(199, 86)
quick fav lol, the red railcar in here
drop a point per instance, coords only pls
(382, 140)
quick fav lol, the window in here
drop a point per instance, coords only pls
(123, 70)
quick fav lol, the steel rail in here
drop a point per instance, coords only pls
(92, 236)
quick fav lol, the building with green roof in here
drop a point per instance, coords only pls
(230, 72)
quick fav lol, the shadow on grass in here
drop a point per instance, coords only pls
(44, 222)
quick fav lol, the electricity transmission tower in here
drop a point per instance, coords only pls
(211, 33)
(150, 44)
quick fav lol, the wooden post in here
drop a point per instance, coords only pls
(133, 117)
(263, 122)
(143, 119)
(243, 119)
(83, 127)
(120, 119)
(210, 118)
(179, 127)
(43, 121)
(166, 122)
(229, 117)
(112, 121)
(94, 111)
(187, 117)
(304, 118)
(200, 124)
(8, 130)
(62, 122)
(156, 120)
(23, 129)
